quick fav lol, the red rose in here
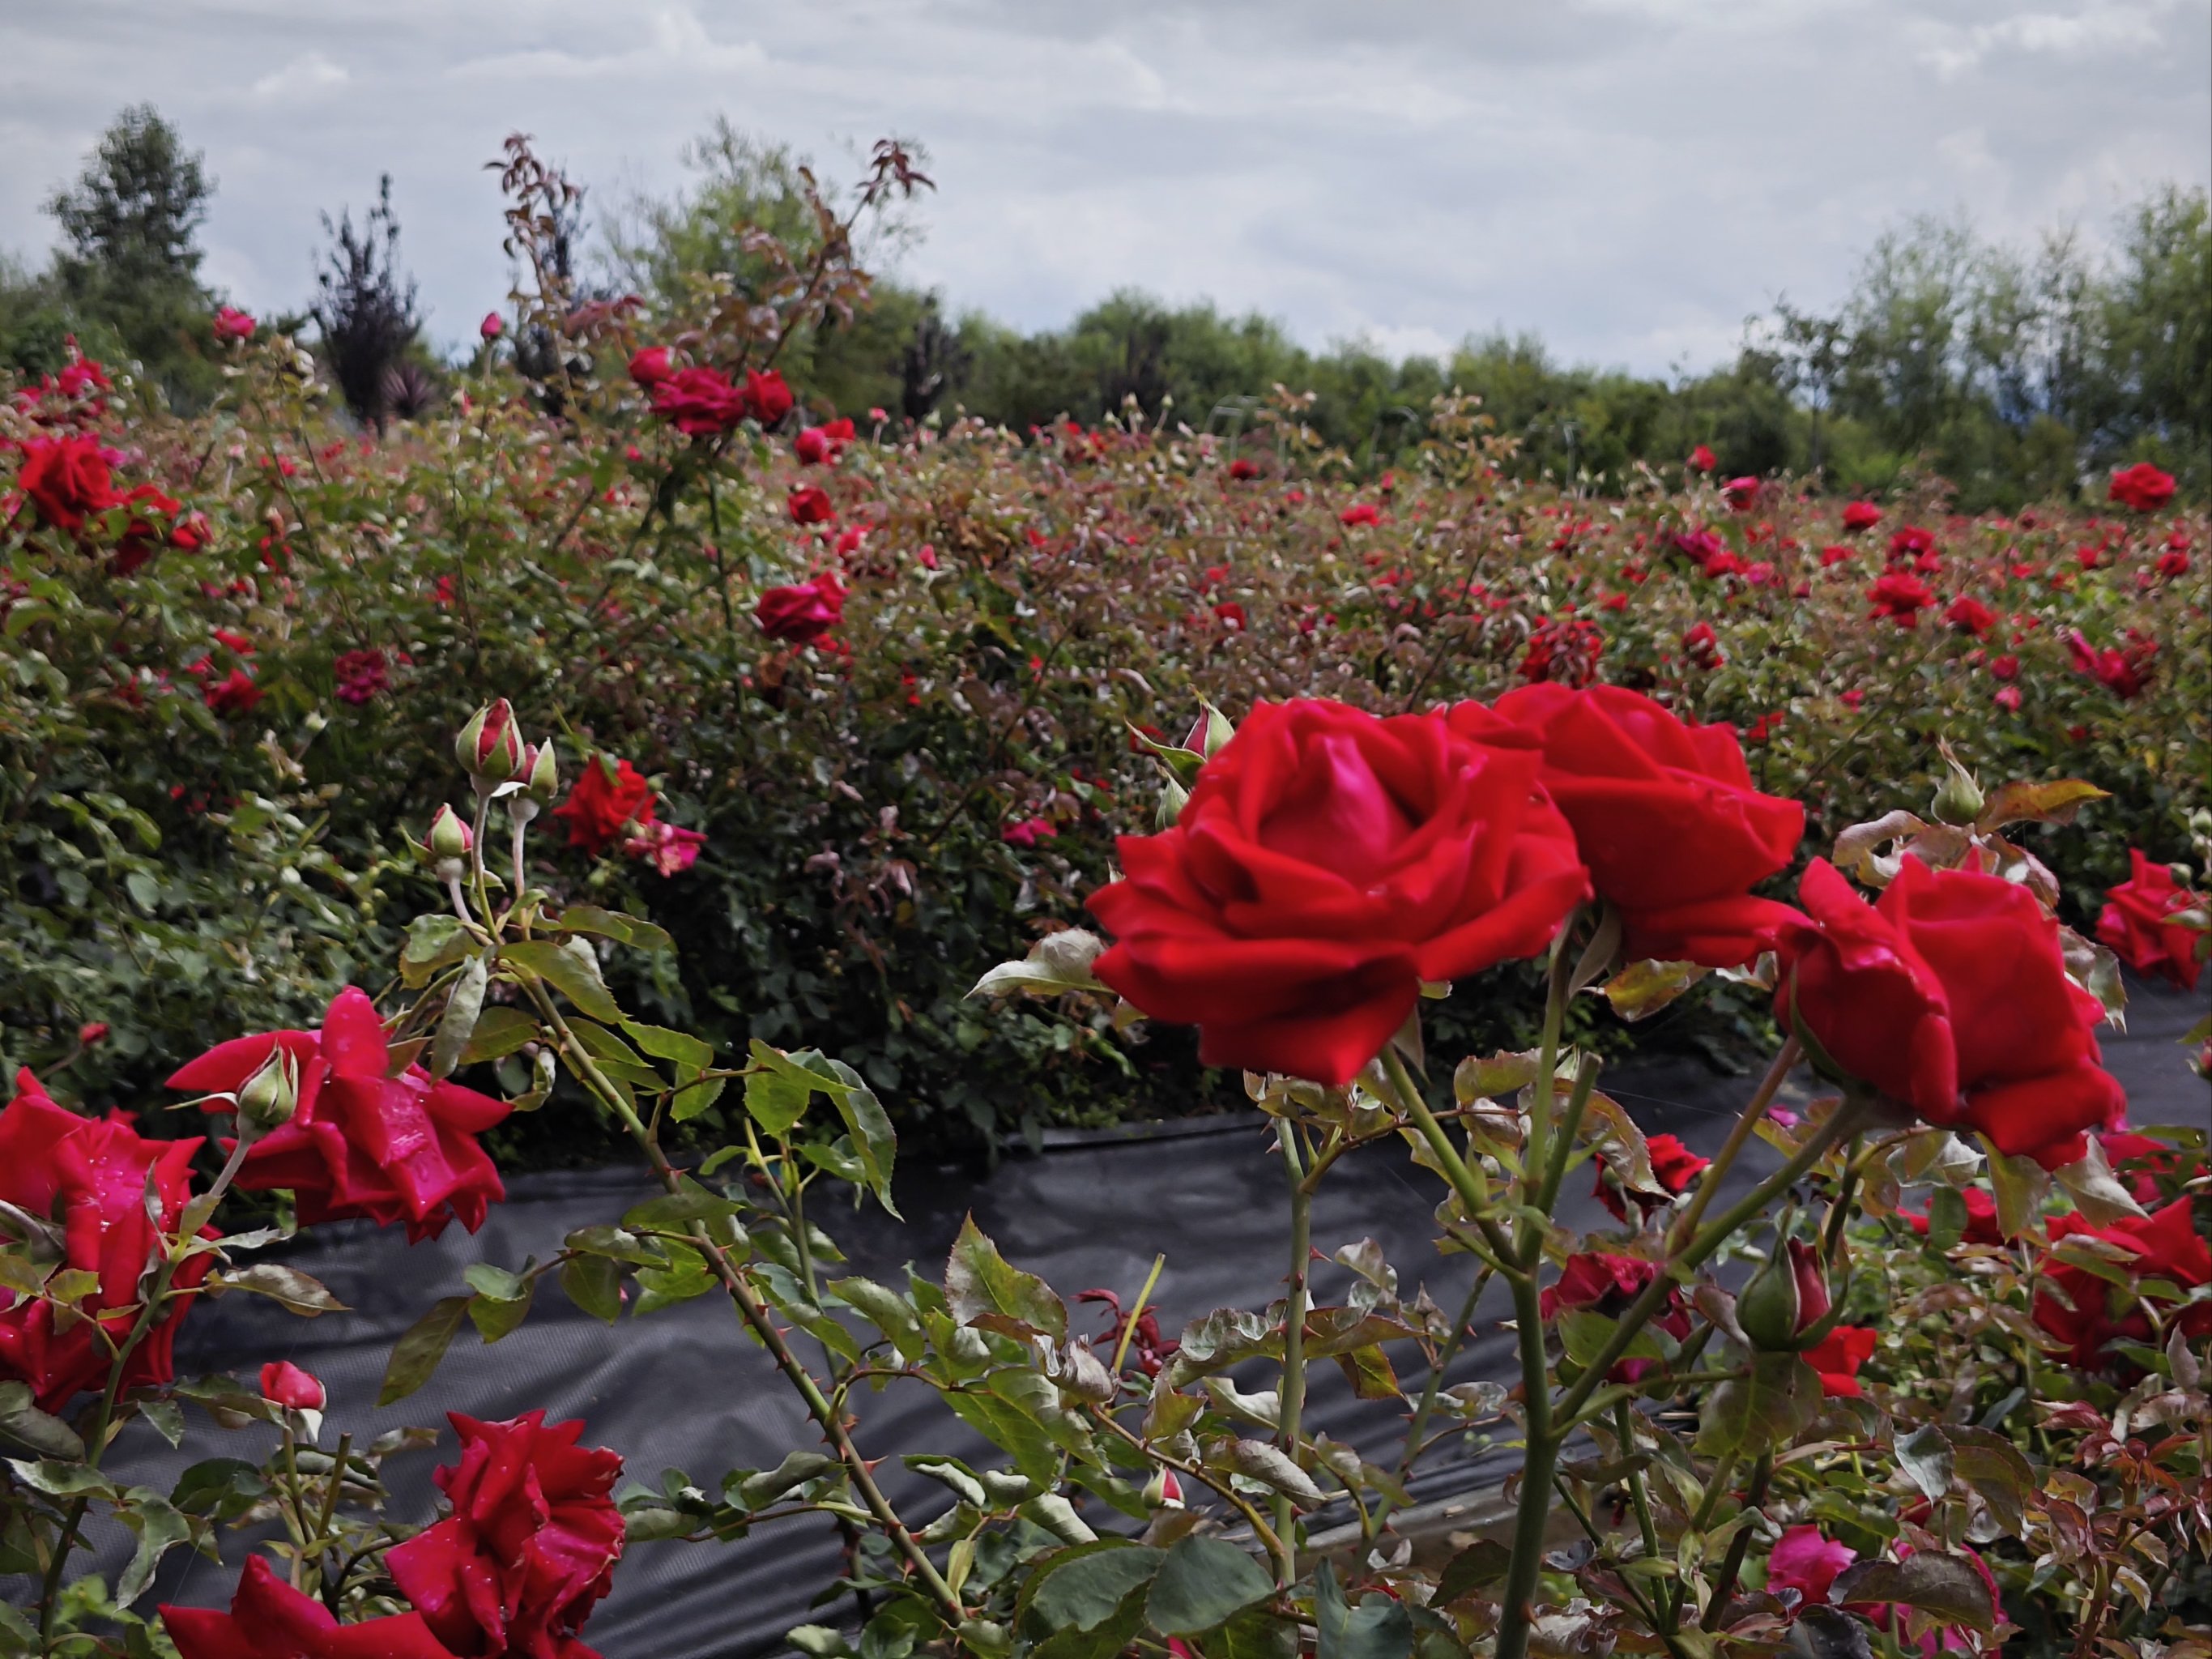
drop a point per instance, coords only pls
(1864, 994)
(1026, 833)
(2029, 1070)
(1326, 863)
(2173, 563)
(1900, 595)
(492, 327)
(90, 1177)
(530, 1546)
(810, 504)
(1703, 646)
(360, 1142)
(803, 612)
(651, 366)
(359, 675)
(1981, 1216)
(1241, 468)
(1968, 615)
(1832, 556)
(1805, 1560)
(2125, 671)
(269, 1619)
(1563, 652)
(767, 399)
(67, 479)
(1673, 1166)
(1702, 459)
(668, 848)
(2136, 924)
(1666, 818)
(699, 403)
(1860, 515)
(231, 324)
(2142, 487)
(1838, 1356)
(1360, 513)
(1740, 493)
(1606, 1283)
(289, 1386)
(819, 445)
(2093, 1312)
(234, 694)
(607, 799)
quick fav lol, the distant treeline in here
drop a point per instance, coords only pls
(2017, 374)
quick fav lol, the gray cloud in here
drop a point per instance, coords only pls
(1629, 178)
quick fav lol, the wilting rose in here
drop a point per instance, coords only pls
(2094, 1312)
(1849, 973)
(804, 611)
(2142, 487)
(530, 1546)
(1326, 863)
(699, 402)
(287, 1385)
(90, 1177)
(67, 479)
(269, 1619)
(811, 504)
(1900, 596)
(360, 1142)
(1665, 815)
(610, 796)
(1860, 515)
(2137, 922)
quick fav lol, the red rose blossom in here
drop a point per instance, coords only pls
(767, 399)
(231, 324)
(67, 479)
(1606, 1283)
(608, 796)
(804, 611)
(1665, 815)
(1838, 1356)
(699, 403)
(1968, 615)
(269, 1619)
(359, 675)
(1702, 459)
(2125, 671)
(1900, 596)
(90, 1177)
(2137, 923)
(811, 504)
(648, 368)
(233, 694)
(1326, 863)
(360, 1142)
(1673, 1166)
(287, 1385)
(2085, 1313)
(1703, 646)
(821, 446)
(530, 1547)
(2142, 487)
(1860, 515)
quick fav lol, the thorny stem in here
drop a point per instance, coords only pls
(1739, 1136)
(1624, 1428)
(1724, 1581)
(1470, 1193)
(1294, 1334)
(1418, 1426)
(1277, 1552)
(757, 1318)
(1660, 1626)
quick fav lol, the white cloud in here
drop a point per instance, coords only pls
(309, 74)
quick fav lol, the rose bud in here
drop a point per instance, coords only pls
(541, 773)
(488, 747)
(92, 1033)
(1786, 1296)
(270, 1096)
(450, 837)
(1163, 1491)
(1959, 802)
(492, 327)
(291, 1388)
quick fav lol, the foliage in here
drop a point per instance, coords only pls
(366, 311)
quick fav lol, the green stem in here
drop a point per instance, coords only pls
(1709, 1182)
(1294, 1333)
(1624, 1428)
(1739, 1546)
(1422, 1411)
(1577, 1103)
(1473, 1198)
(1539, 1462)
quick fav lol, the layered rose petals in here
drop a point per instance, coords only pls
(1666, 818)
(2085, 1313)
(361, 1143)
(1326, 863)
(269, 1619)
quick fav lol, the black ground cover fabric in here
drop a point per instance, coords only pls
(685, 1388)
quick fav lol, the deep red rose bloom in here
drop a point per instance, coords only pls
(1606, 1283)
(141, 537)
(360, 1142)
(530, 1546)
(1326, 863)
(2135, 923)
(1860, 515)
(269, 1619)
(767, 399)
(811, 504)
(2142, 487)
(1026, 833)
(1838, 1357)
(1832, 556)
(1866, 996)
(1240, 468)
(1673, 1166)
(819, 445)
(699, 403)
(1981, 1226)
(2173, 563)
(1702, 459)
(1968, 615)
(1901, 595)
(804, 611)
(648, 368)
(67, 480)
(2165, 1245)
(233, 694)
(606, 800)
(1666, 818)
(2139, 1162)
(1563, 651)
(1805, 1560)
(359, 675)
(289, 1386)
(1740, 493)
(1360, 513)
(89, 1177)
(2030, 1075)
(1911, 542)
(2125, 671)
(231, 324)
(1703, 646)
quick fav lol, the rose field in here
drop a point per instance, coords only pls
(615, 773)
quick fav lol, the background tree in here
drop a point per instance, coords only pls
(366, 309)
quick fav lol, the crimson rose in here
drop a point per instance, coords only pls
(1665, 815)
(699, 403)
(361, 1141)
(1326, 863)
(2136, 924)
(607, 799)
(67, 480)
(2087, 1312)
(804, 611)
(530, 1546)
(269, 1619)
(2142, 487)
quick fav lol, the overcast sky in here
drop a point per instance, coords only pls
(1629, 178)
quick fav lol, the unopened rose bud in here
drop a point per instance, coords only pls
(488, 748)
(1173, 795)
(271, 1095)
(1960, 799)
(450, 837)
(541, 773)
(289, 1386)
(1209, 732)
(1786, 1295)
(1163, 1491)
